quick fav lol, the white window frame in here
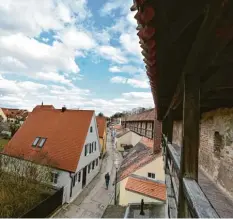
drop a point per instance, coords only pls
(54, 178)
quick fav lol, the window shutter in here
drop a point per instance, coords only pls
(85, 150)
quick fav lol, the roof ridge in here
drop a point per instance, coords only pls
(147, 179)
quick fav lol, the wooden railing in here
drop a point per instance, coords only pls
(197, 203)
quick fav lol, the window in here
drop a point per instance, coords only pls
(218, 143)
(90, 148)
(89, 168)
(151, 175)
(36, 141)
(79, 176)
(93, 165)
(86, 149)
(95, 145)
(39, 142)
(97, 160)
(42, 141)
(91, 129)
(54, 177)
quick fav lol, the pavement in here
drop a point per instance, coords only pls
(94, 199)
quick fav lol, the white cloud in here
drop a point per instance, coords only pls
(126, 68)
(113, 54)
(130, 42)
(52, 76)
(35, 18)
(27, 55)
(134, 82)
(73, 38)
(113, 5)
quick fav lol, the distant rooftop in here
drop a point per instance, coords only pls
(148, 115)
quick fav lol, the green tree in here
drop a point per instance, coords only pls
(101, 114)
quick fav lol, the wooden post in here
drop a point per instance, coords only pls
(170, 126)
(189, 150)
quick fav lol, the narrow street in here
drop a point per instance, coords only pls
(94, 199)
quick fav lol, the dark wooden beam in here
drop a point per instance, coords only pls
(196, 63)
(170, 127)
(212, 48)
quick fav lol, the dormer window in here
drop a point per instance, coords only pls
(39, 142)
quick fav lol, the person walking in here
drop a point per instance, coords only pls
(107, 179)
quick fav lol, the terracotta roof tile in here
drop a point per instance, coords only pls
(148, 115)
(13, 113)
(138, 156)
(148, 142)
(147, 187)
(117, 127)
(101, 123)
(65, 132)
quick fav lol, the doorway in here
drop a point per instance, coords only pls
(84, 176)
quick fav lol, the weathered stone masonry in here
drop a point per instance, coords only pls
(216, 146)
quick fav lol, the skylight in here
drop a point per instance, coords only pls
(36, 141)
(39, 142)
(42, 141)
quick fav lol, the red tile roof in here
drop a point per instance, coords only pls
(13, 113)
(148, 188)
(65, 132)
(117, 127)
(139, 156)
(148, 142)
(148, 115)
(101, 123)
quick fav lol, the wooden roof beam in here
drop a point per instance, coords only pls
(205, 36)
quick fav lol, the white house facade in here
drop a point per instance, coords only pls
(83, 157)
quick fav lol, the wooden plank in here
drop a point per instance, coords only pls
(197, 62)
(170, 127)
(175, 189)
(172, 208)
(199, 205)
(170, 192)
(175, 157)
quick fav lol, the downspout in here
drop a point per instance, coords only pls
(71, 184)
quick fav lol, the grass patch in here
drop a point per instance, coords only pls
(18, 196)
(3, 142)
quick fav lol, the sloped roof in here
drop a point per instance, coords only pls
(12, 113)
(138, 156)
(122, 133)
(101, 123)
(147, 187)
(148, 115)
(65, 132)
(147, 141)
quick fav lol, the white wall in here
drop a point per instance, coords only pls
(128, 138)
(135, 138)
(156, 166)
(86, 160)
(3, 115)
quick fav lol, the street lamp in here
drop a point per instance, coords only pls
(117, 165)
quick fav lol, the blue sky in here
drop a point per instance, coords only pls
(79, 53)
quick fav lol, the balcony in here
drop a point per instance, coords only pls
(203, 198)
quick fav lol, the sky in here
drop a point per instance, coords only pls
(79, 53)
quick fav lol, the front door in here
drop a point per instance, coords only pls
(84, 176)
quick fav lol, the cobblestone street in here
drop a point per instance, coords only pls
(94, 199)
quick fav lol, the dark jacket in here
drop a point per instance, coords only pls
(107, 177)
